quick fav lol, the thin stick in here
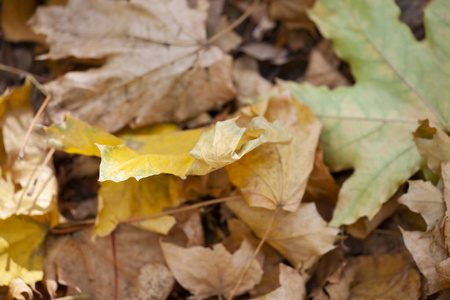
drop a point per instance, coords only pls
(75, 297)
(116, 277)
(236, 23)
(30, 129)
(247, 267)
(28, 75)
(33, 175)
(179, 210)
(90, 223)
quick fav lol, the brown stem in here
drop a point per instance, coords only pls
(247, 267)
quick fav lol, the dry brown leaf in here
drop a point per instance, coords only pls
(433, 144)
(249, 83)
(292, 286)
(322, 67)
(15, 15)
(156, 69)
(443, 271)
(426, 199)
(19, 290)
(445, 166)
(86, 267)
(384, 277)
(207, 272)
(302, 237)
(428, 250)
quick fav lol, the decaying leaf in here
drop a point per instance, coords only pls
(368, 126)
(157, 68)
(302, 236)
(433, 144)
(19, 290)
(276, 175)
(29, 188)
(292, 286)
(207, 272)
(426, 199)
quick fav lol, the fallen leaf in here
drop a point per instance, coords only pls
(21, 249)
(87, 266)
(368, 126)
(383, 277)
(29, 188)
(433, 144)
(427, 200)
(427, 249)
(208, 272)
(292, 286)
(202, 153)
(443, 271)
(157, 68)
(19, 290)
(131, 198)
(302, 237)
(249, 83)
(276, 175)
(323, 67)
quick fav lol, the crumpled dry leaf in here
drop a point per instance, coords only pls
(207, 272)
(302, 237)
(223, 144)
(157, 68)
(427, 249)
(426, 199)
(19, 290)
(292, 286)
(31, 185)
(249, 83)
(322, 67)
(276, 175)
(433, 144)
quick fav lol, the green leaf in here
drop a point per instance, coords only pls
(398, 81)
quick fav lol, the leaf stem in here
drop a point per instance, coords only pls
(90, 223)
(258, 248)
(236, 23)
(114, 258)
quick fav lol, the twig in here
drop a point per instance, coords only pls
(75, 297)
(236, 23)
(30, 128)
(247, 267)
(116, 277)
(90, 223)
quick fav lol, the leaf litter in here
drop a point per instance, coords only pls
(158, 109)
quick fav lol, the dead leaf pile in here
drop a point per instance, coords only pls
(168, 165)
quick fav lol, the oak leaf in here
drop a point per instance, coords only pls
(368, 126)
(157, 68)
(207, 272)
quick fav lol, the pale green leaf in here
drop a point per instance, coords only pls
(398, 81)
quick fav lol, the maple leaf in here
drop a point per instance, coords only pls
(275, 175)
(368, 126)
(157, 68)
(207, 272)
(302, 237)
